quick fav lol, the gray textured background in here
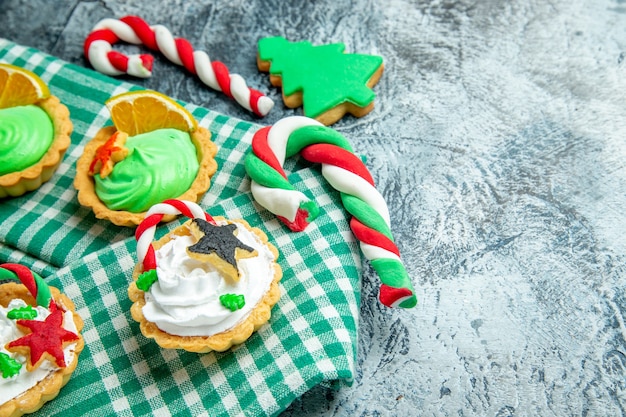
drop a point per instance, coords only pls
(498, 140)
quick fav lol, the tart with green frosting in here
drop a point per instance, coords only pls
(154, 152)
(35, 131)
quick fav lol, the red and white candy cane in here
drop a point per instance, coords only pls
(135, 30)
(144, 234)
(345, 172)
(33, 283)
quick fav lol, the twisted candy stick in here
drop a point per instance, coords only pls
(145, 231)
(133, 29)
(345, 172)
(33, 282)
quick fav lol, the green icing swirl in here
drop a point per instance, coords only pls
(161, 164)
(26, 133)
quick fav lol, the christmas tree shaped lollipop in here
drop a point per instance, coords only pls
(327, 82)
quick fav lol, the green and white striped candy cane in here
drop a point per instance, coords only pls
(345, 172)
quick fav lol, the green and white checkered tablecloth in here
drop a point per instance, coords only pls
(310, 339)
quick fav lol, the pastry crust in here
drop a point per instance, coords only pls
(218, 342)
(85, 184)
(48, 388)
(17, 183)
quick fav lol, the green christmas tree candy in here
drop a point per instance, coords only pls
(26, 313)
(233, 302)
(327, 82)
(8, 366)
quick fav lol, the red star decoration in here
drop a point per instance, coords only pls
(46, 337)
(112, 151)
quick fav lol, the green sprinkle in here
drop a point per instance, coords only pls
(232, 302)
(146, 279)
(22, 313)
(9, 366)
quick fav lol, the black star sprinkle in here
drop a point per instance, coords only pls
(220, 240)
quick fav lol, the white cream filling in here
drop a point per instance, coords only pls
(185, 299)
(24, 380)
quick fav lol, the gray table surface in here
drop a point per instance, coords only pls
(499, 142)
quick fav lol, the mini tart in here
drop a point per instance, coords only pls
(85, 184)
(48, 388)
(219, 342)
(17, 183)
